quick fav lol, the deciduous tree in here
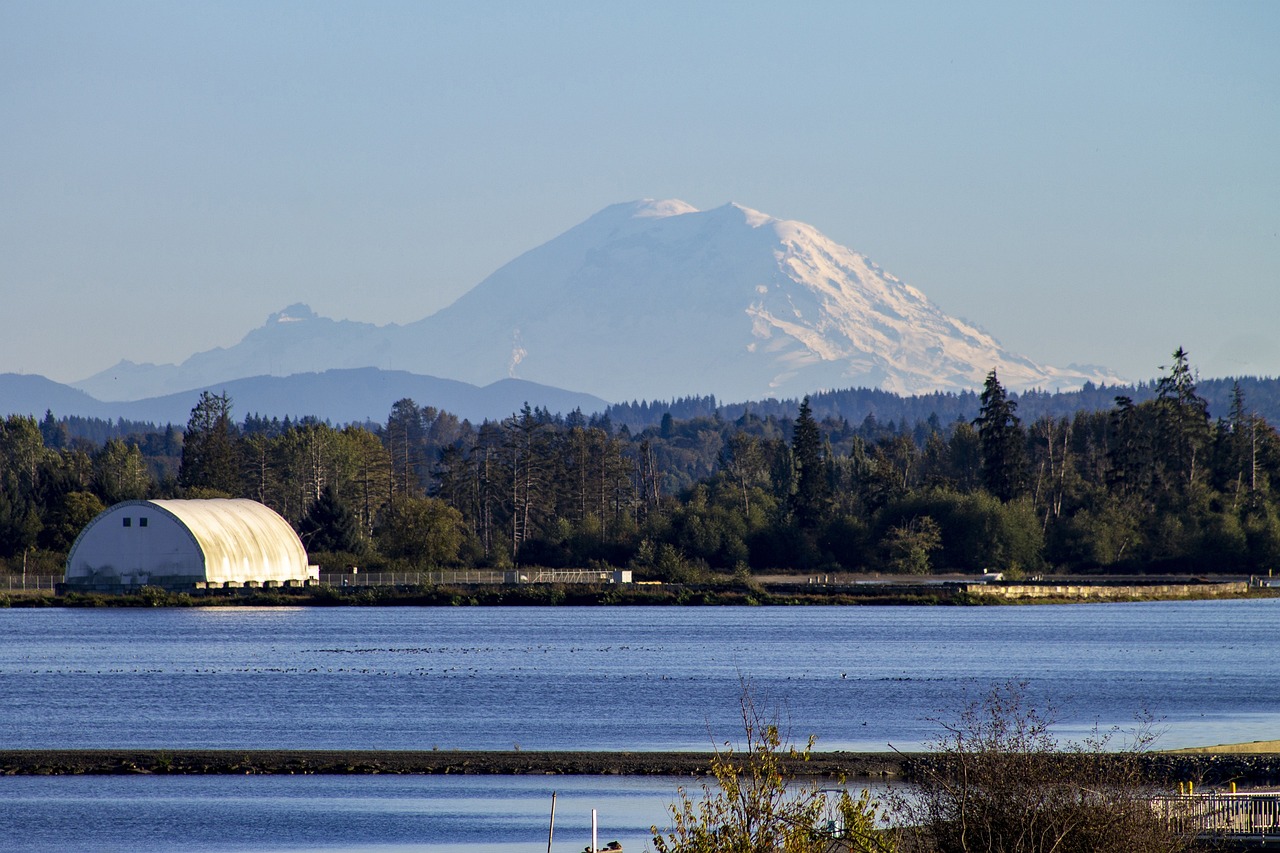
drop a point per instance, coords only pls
(421, 531)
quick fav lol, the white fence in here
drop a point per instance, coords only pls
(1225, 815)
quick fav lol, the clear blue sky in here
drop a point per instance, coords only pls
(1089, 182)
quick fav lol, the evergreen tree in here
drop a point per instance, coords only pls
(526, 450)
(1002, 441)
(211, 448)
(1183, 430)
(404, 437)
(1130, 450)
(811, 494)
(54, 432)
(330, 525)
(120, 473)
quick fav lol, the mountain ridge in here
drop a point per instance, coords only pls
(351, 395)
(650, 299)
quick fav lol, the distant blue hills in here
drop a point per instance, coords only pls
(358, 395)
(340, 396)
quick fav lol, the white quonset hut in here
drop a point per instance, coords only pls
(183, 545)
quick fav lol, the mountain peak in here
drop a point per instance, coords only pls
(648, 208)
(295, 313)
(655, 299)
(754, 218)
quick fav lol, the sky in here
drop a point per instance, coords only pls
(1088, 182)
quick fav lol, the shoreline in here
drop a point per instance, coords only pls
(69, 762)
(669, 595)
(1214, 766)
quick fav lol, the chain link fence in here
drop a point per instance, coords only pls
(13, 583)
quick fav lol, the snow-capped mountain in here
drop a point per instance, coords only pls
(656, 299)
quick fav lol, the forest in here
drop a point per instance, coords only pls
(1148, 485)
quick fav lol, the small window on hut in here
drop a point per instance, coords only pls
(142, 522)
(128, 522)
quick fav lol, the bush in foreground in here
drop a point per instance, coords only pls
(757, 806)
(999, 782)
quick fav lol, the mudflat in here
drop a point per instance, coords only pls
(511, 762)
(1252, 769)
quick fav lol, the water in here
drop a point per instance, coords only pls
(618, 678)
(557, 678)
(273, 814)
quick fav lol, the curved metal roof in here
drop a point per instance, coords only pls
(241, 539)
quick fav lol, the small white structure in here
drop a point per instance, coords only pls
(183, 545)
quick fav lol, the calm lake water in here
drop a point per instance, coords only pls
(571, 678)
(340, 814)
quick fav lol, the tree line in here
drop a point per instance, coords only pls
(1149, 483)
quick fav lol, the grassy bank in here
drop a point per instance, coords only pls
(583, 595)
(459, 596)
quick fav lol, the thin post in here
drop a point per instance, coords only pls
(594, 846)
(551, 830)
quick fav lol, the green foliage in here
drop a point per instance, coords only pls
(120, 472)
(211, 448)
(330, 526)
(668, 564)
(421, 531)
(1002, 441)
(70, 514)
(757, 806)
(811, 495)
(1103, 535)
(977, 530)
(1151, 485)
(844, 542)
(1183, 429)
(153, 596)
(341, 561)
(910, 544)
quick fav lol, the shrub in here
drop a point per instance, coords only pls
(756, 806)
(999, 782)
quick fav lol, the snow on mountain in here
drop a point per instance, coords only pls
(650, 299)
(657, 299)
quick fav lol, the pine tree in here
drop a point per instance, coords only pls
(1182, 429)
(404, 437)
(811, 495)
(1002, 441)
(330, 525)
(211, 451)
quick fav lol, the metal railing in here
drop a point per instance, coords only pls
(473, 576)
(32, 582)
(1222, 814)
(561, 576)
